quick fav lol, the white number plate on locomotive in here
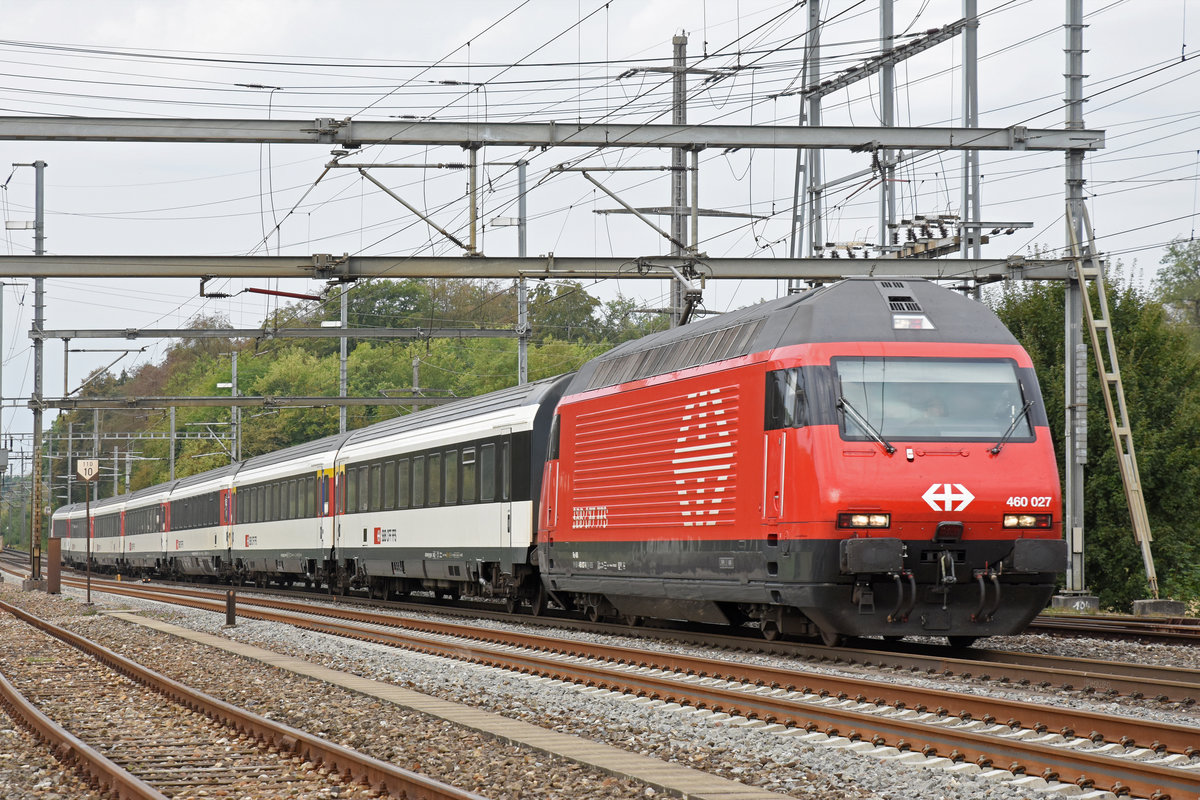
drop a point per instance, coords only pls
(1028, 502)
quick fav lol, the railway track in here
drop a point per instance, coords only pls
(1165, 685)
(138, 734)
(1167, 629)
(1085, 676)
(1118, 754)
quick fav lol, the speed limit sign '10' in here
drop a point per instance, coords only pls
(87, 468)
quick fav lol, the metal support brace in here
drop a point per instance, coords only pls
(414, 210)
(681, 245)
(1088, 268)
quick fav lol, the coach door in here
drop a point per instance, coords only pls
(495, 486)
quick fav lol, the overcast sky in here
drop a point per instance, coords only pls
(541, 60)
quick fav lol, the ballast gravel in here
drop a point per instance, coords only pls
(766, 760)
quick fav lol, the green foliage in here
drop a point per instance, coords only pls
(569, 325)
(1160, 373)
(1178, 284)
(564, 310)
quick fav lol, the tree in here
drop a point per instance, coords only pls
(1178, 283)
(1161, 376)
(564, 310)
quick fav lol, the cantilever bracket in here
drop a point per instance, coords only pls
(204, 282)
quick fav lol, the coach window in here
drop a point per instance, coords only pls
(786, 402)
(376, 499)
(468, 475)
(434, 495)
(310, 496)
(363, 486)
(451, 462)
(403, 484)
(293, 499)
(487, 473)
(418, 483)
(389, 485)
(504, 466)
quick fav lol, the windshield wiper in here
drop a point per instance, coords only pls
(1008, 433)
(844, 404)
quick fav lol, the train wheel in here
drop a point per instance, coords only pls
(541, 601)
(770, 631)
(510, 605)
(632, 620)
(961, 641)
(831, 638)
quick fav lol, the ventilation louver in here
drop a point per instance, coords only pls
(673, 356)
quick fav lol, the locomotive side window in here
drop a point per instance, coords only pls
(552, 450)
(787, 406)
(929, 399)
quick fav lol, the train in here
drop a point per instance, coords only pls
(870, 457)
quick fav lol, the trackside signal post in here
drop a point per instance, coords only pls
(88, 469)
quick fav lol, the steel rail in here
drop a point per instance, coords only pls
(769, 704)
(70, 750)
(372, 772)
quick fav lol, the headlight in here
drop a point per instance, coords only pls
(1027, 520)
(864, 520)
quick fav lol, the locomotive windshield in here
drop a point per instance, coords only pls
(932, 399)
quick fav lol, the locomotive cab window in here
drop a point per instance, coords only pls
(926, 399)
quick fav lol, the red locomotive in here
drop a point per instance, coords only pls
(871, 457)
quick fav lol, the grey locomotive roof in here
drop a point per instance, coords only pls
(854, 309)
(515, 397)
